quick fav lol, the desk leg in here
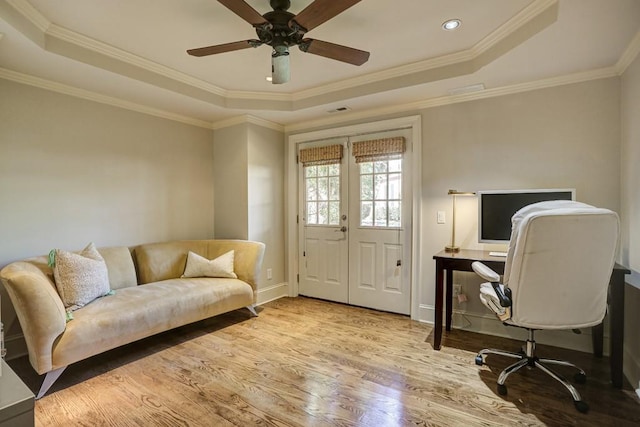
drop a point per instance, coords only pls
(597, 333)
(616, 325)
(448, 300)
(437, 317)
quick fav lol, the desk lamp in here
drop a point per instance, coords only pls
(452, 247)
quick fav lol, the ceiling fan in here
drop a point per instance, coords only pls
(281, 29)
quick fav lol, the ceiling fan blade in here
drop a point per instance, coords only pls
(334, 51)
(321, 11)
(220, 48)
(244, 11)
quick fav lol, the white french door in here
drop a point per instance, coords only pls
(323, 245)
(354, 227)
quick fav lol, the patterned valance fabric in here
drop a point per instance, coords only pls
(327, 155)
(377, 149)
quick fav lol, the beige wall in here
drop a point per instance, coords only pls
(231, 182)
(630, 215)
(560, 137)
(249, 194)
(75, 171)
(266, 198)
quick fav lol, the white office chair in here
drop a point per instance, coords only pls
(557, 271)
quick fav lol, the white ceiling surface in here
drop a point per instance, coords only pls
(587, 35)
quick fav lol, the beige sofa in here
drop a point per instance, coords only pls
(150, 297)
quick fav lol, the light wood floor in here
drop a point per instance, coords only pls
(305, 362)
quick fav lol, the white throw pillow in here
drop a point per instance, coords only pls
(199, 266)
(80, 277)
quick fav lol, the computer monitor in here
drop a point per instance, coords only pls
(496, 207)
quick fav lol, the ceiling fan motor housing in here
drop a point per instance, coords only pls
(278, 32)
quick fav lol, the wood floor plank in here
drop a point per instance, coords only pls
(306, 362)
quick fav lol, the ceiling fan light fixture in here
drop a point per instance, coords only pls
(451, 24)
(280, 71)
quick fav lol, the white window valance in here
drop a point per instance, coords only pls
(327, 155)
(378, 149)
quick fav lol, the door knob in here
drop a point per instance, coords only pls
(343, 229)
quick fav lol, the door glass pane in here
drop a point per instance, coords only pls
(323, 213)
(366, 214)
(322, 194)
(380, 213)
(366, 187)
(395, 186)
(381, 193)
(323, 189)
(394, 214)
(381, 186)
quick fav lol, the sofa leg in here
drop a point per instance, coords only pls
(252, 309)
(49, 380)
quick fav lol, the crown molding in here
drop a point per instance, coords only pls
(247, 118)
(31, 13)
(105, 49)
(527, 14)
(57, 39)
(310, 124)
(629, 54)
(530, 12)
(455, 99)
(96, 97)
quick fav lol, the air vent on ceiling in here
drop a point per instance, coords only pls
(467, 89)
(339, 110)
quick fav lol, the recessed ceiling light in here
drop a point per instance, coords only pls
(451, 24)
(269, 78)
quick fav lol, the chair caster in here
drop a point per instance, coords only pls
(479, 360)
(502, 389)
(580, 378)
(581, 406)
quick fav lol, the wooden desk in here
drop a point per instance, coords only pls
(447, 263)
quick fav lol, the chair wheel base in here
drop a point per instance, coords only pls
(479, 360)
(580, 378)
(502, 389)
(581, 406)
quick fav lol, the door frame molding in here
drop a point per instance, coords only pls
(291, 203)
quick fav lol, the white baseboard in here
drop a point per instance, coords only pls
(490, 325)
(272, 293)
(631, 369)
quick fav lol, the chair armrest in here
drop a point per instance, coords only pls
(503, 294)
(485, 272)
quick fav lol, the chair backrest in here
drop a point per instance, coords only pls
(559, 262)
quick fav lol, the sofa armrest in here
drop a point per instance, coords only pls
(248, 256)
(39, 309)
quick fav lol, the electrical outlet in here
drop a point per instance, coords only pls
(269, 274)
(457, 289)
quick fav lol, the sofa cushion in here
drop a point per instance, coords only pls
(141, 311)
(199, 266)
(80, 277)
(162, 261)
(122, 272)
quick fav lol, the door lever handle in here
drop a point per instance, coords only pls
(342, 229)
